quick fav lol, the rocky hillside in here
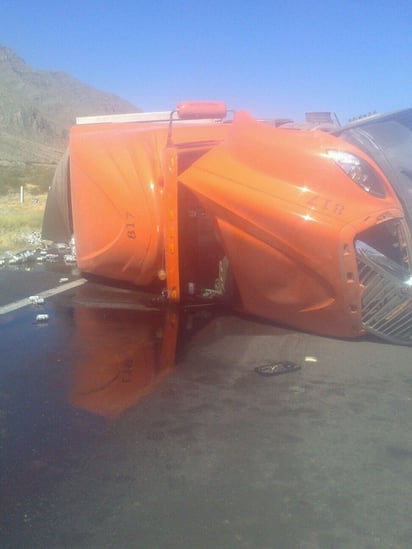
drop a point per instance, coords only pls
(37, 109)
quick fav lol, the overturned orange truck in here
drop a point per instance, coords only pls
(295, 226)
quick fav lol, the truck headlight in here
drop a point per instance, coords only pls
(360, 171)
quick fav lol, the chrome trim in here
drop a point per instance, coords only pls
(386, 296)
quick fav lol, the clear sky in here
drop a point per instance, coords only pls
(274, 58)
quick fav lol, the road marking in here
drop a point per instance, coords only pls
(47, 293)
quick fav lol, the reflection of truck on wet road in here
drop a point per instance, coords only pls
(295, 226)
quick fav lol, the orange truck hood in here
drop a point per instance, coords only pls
(288, 217)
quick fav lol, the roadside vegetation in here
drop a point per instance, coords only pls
(34, 177)
(20, 223)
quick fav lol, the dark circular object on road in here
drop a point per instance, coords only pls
(272, 368)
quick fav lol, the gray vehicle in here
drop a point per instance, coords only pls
(387, 139)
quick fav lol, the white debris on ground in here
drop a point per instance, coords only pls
(42, 318)
(70, 257)
(33, 238)
(40, 252)
(36, 300)
(26, 256)
(50, 253)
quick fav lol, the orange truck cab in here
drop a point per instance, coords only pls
(295, 226)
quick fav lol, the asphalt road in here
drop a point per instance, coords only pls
(123, 424)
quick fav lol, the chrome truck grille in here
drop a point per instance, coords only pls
(387, 295)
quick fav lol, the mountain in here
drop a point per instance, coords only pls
(37, 109)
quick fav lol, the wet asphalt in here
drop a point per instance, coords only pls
(127, 424)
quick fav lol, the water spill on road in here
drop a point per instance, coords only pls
(102, 350)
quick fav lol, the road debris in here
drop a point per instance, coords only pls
(276, 368)
(42, 318)
(36, 300)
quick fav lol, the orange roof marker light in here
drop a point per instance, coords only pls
(291, 224)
